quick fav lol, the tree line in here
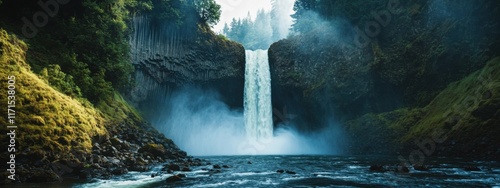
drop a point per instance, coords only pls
(83, 47)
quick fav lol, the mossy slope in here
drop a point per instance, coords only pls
(47, 120)
(466, 113)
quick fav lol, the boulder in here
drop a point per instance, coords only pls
(290, 172)
(402, 169)
(181, 175)
(174, 178)
(420, 167)
(472, 168)
(377, 168)
(155, 150)
(119, 171)
(40, 175)
(138, 168)
(174, 167)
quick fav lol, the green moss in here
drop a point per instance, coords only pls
(467, 111)
(118, 110)
(43, 114)
(456, 108)
(153, 149)
(313, 87)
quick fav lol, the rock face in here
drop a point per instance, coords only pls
(166, 56)
(394, 70)
(449, 125)
(324, 73)
(315, 77)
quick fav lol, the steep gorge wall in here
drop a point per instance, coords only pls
(167, 56)
(426, 46)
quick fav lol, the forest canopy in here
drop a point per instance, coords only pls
(266, 28)
(86, 41)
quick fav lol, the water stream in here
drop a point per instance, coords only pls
(257, 101)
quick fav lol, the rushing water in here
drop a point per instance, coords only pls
(257, 100)
(318, 171)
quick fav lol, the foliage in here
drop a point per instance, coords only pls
(307, 11)
(464, 105)
(70, 128)
(266, 28)
(301, 8)
(89, 40)
(208, 10)
(165, 10)
(253, 35)
(60, 80)
(467, 110)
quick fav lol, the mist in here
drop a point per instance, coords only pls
(200, 124)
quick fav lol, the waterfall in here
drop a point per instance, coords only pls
(257, 101)
(201, 124)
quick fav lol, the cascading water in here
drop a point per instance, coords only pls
(257, 101)
(201, 124)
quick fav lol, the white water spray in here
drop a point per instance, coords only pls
(201, 124)
(257, 100)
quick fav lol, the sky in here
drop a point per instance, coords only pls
(239, 9)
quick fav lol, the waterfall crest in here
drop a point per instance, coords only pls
(257, 101)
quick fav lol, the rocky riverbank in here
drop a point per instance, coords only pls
(126, 148)
(59, 137)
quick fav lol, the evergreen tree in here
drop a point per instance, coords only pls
(208, 10)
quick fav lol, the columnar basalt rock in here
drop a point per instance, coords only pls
(167, 55)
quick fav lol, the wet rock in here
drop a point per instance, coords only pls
(420, 167)
(402, 169)
(216, 166)
(114, 160)
(186, 169)
(174, 178)
(174, 167)
(212, 171)
(130, 161)
(377, 168)
(96, 147)
(119, 171)
(249, 162)
(89, 173)
(290, 172)
(139, 168)
(225, 166)
(155, 150)
(95, 165)
(472, 168)
(110, 151)
(181, 175)
(40, 175)
(116, 142)
(280, 171)
(119, 144)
